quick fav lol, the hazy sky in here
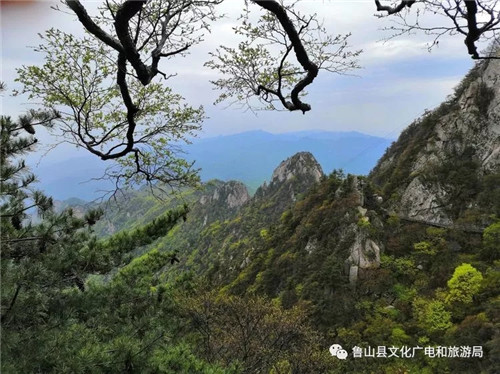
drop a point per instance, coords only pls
(399, 79)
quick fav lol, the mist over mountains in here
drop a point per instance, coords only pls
(249, 157)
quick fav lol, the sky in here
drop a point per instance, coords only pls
(399, 80)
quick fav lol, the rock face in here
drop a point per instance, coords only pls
(436, 161)
(365, 253)
(220, 201)
(237, 195)
(233, 194)
(423, 202)
(78, 206)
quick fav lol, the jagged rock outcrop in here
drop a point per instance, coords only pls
(293, 177)
(363, 254)
(352, 239)
(233, 194)
(221, 200)
(311, 245)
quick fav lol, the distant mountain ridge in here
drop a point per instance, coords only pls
(249, 157)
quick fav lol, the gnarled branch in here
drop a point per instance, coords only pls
(302, 57)
(392, 10)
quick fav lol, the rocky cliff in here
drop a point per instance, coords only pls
(443, 164)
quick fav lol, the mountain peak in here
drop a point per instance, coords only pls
(293, 176)
(300, 164)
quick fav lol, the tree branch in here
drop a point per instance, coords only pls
(473, 10)
(131, 108)
(128, 10)
(11, 304)
(473, 34)
(300, 52)
(91, 26)
(392, 10)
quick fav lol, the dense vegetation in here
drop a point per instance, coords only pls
(211, 281)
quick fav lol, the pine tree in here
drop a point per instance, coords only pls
(54, 317)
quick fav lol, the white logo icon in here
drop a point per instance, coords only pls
(336, 350)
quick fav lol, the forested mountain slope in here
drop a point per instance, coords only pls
(223, 217)
(405, 257)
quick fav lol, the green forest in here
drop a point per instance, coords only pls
(392, 272)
